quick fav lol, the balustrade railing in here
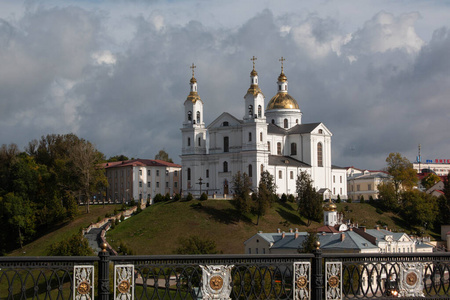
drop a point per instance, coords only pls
(294, 276)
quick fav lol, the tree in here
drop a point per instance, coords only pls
(387, 197)
(163, 155)
(242, 188)
(118, 158)
(195, 244)
(262, 200)
(443, 217)
(268, 180)
(430, 180)
(307, 245)
(419, 208)
(309, 201)
(76, 245)
(403, 174)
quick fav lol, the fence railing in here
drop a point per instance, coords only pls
(298, 276)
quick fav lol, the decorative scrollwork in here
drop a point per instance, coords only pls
(83, 278)
(216, 282)
(302, 275)
(333, 275)
(123, 282)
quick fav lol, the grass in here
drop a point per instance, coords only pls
(82, 220)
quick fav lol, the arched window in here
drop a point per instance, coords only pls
(268, 146)
(259, 111)
(273, 121)
(189, 115)
(189, 174)
(226, 144)
(285, 123)
(296, 121)
(319, 155)
(250, 171)
(198, 117)
(320, 131)
(250, 110)
(225, 166)
(189, 142)
(199, 141)
(249, 136)
(260, 137)
(293, 149)
(278, 148)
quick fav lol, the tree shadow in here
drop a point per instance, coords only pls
(226, 216)
(286, 205)
(290, 217)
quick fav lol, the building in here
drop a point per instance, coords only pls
(268, 138)
(141, 179)
(364, 183)
(439, 166)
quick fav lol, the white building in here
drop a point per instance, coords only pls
(271, 138)
(439, 166)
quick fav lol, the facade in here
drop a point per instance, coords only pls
(364, 183)
(141, 179)
(268, 138)
(439, 166)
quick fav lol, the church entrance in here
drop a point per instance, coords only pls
(225, 187)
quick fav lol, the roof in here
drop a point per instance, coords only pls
(327, 228)
(381, 233)
(280, 160)
(337, 167)
(139, 162)
(297, 129)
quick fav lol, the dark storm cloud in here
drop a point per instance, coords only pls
(379, 88)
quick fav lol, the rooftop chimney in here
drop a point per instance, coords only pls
(363, 228)
(296, 229)
(283, 235)
(377, 227)
(296, 235)
(290, 230)
(278, 230)
(342, 237)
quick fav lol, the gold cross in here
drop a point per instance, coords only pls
(253, 59)
(193, 67)
(282, 59)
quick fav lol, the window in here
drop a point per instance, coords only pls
(278, 148)
(167, 172)
(198, 117)
(167, 184)
(189, 142)
(207, 173)
(225, 166)
(293, 149)
(250, 171)
(357, 187)
(190, 116)
(319, 155)
(369, 187)
(334, 191)
(149, 184)
(175, 174)
(149, 173)
(320, 131)
(273, 121)
(157, 172)
(225, 124)
(249, 136)
(334, 177)
(256, 250)
(268, 146)
(140, 172)
(280, 174)
(292, 174)
(249, 250)
(199, 141)
(340, 191)
(225, 144)
(189, 174)
(341, 178)
(175, 184)
(285, 123)
(140, 183)
(259, 111)
(296, 121)
(262, 168)
(250, 110)
(260, 137)
(157, 184)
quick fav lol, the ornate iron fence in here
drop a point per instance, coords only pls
(300, 276)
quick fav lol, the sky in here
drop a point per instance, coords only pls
(116, 73)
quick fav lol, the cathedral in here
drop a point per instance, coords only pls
(268, 138)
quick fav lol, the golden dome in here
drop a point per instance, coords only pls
(254, 90)
(282, 77)
(329, 206)
(253, 73)
(193, 97)
(193, 80)
(282, 101)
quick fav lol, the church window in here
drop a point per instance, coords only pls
(334, 177)
(249, 136)
(285, 123)
(198, 117)
(278, 148)
(226, 144)
(369, 187)
(268, 146)
(250, 110)
(189, 115)
(189, 142)
(273, 121)
(199, 141)
(250, 171)
(175, 174)
(293, 149)
(341, 178)
(340, 191)
(189, 174)
(260, 137)
(207, 173)
(292, 174)
(296, 121)
(259, 111)
(140, 172)
(157, 184)
(279, 87)
(224, 124)
(149, 184)
(334, 191)
(320, 131)
(225, 166)
(140, 183)
(319, 155)
(280, 174)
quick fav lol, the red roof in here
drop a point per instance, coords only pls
(139, 162)
(327, 228)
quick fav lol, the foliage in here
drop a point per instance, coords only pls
(387, 197)
(242, 188)
(402, 171)
(283, 198)
(118, 158)
(419, 208)
(269, 181)
(309, 201)
(291, 198)
(164, 156)
(176, 197)
(443, 217)
(167, 197)
(203, 197)
(262, 203)
(430, 180)
(195, 244)
(338, 200)
(76, 245)
(361, 200)
(158, 198)
(189, 197)
(124, 249)
(307, 245)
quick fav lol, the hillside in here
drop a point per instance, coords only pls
(158, 228)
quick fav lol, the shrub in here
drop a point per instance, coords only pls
(371, 201)
(116, 222)
(338, 199)
(176, 197)
(99, 219)
(132, 202)
(139, 209)
(189, 197)
(115, 211)
(361, 200)
(122, 218)
(123, 207)
(349, 200)
(283, 198)
(203, 197)
(167, 197)
(291, 198)
(158, 198)
(379, 211)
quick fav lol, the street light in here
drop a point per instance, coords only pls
(200, 183)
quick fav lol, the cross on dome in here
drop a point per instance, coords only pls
(282, 59)
(193, 67)
(253, 59)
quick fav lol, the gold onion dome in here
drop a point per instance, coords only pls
(282, 77)
(282, 101)
(193, 80)
(193, 97)
(329, 206)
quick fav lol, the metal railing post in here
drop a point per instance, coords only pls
(103, 273)
(317, 282)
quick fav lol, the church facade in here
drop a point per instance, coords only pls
(271, 138)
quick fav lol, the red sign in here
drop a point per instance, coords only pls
(442, 161)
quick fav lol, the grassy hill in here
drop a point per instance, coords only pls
(158, 228)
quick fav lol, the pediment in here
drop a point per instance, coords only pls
(223, 121)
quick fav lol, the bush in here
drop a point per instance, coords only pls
(76, 245)
(338, 199)
(158, 198)
(176, 197)
(113, 225)
(123, 207)
(379, 211)
(291, 198)
(203, 197)
(139, 209)
(116, 222)
(371, 201)
(189, 197)
(167, 197)
(115, 211)
(349, 200)
(132, 202)
(122, 218)
(283, 198)
(99, 219)
(361, 200)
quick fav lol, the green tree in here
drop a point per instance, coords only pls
(163, 155)
(76, 245)
(430, 180)
(242, 188)
(309, 201)
(386, 196)
(262, 200)
(118, 158)
(403, 174)
(443, 217)
(268, 180)
(307, 245)
(419, 208)
(195, 244)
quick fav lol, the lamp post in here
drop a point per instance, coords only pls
(200, 183)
